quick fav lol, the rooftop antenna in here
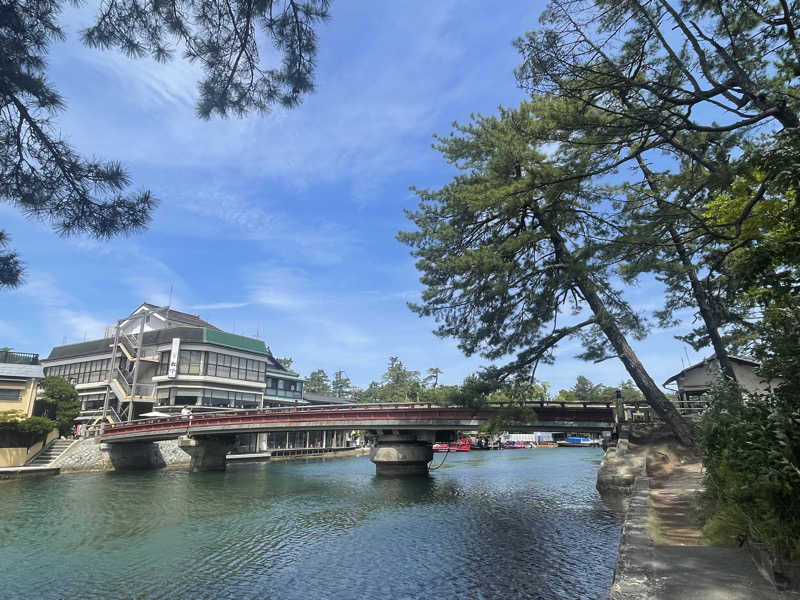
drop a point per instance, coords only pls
(688, 362)
(170, 296)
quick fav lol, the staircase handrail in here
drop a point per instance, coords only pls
(129, 341)
(144, 390)
(123, 382)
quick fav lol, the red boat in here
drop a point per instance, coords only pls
(462, 445)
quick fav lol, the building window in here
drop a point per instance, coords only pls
(284, 388)
(162, 397)
(163, 364)
(190, 362)
(188, 396)
(89, 371)
(92, 401)
(234, 367)
(10, 395)
(229, 399)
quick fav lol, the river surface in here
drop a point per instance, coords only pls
(514, 524)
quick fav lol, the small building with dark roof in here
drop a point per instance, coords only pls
(697, 379)
(20, 374)
(324, 399)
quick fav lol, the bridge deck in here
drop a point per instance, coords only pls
(358, 416)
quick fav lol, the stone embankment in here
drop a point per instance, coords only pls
(620, 467)
(663, 553)
(87, 456)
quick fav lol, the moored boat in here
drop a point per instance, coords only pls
(577, 442)
(461, 446)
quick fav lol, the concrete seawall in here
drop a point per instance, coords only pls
(87, 456)
(633, 572)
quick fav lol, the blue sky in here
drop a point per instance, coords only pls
(284, 224)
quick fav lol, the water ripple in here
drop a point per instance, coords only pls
(522, 524)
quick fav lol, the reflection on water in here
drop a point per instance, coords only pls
(512, 524)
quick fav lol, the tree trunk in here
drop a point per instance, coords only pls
(654, 396)
(700, 294)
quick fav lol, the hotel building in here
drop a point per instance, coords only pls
(157, 358)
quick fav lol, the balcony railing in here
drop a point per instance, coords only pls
(278, 393)
(18, 358)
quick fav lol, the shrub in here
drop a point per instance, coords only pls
(17, 432)
(751, 445)
(60, 400)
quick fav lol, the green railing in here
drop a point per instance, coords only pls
(18, 358)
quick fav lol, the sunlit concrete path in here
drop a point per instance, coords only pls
(663, 554)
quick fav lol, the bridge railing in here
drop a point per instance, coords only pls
(332, 411)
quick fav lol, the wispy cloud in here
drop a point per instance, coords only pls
(218, 306)
(58, 310)
(312, 240)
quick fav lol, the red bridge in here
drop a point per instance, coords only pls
(404, 432)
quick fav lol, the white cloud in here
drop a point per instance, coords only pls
(311, 240)
(59, 312)
(218, 306)
(364, 123)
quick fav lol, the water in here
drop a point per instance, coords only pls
(513, 524)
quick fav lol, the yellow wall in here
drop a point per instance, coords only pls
(26, 399)
(17, 457)
(13, 457)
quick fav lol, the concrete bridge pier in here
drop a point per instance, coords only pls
(208, 453)
(132, 456)
(401, 453)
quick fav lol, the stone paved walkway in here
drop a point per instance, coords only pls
(683, 565)
(663, 554)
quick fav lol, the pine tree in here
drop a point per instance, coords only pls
(513, 266)
(43, 176)
(285, 362)
(707, 88)
(341, 386)
(432, 378)
(318, 382)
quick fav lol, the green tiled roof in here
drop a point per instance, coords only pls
(164, 336)
(231, 340)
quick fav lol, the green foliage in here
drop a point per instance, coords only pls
(341, 387)
(709, 91)
(318, 382)
(60, 402)
(400, 384)
(585, 391)
(39, 172)
(751, 444)
(504, 266)
(16, 431)
(10, 264)
(432, 377)
(47, 179)
(285, 362)
(371, 394)
(228, 41)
